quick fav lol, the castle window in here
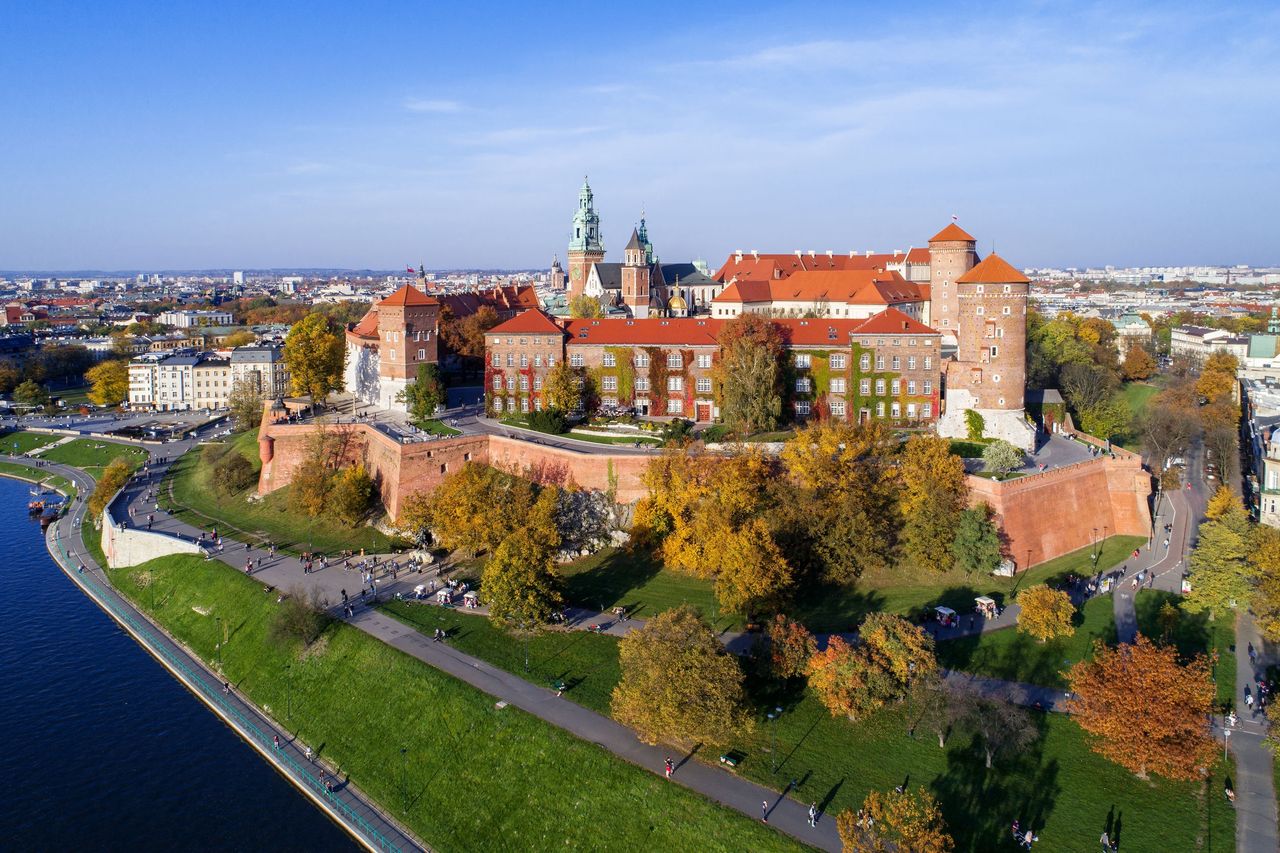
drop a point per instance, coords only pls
(509, 341)
(422, 355)
(511, 360)
(609, 401)
(999, 333)
(837, 409)
(837, 386)
(928, 362)
(511, 383)
(879, 386)
(524, 360)
(391, 355)
(911, 342)
(926, 411)
(1001, 401)
(609, 383)
(978, 289)
(551, 361)
(911, 387)
(524, 404)
(675, 383)
(802, 408)
(864, 363)
(524, 383)
(895, 411)
(642, 383)
(497, 383)
(879, 362)
(609, 360)
(1008, 288)
(979, 311)
(864, 387)
(537, 383)
(704, 360)
(895, 387)
(675, 405)
(911, 411)
(995, 378)
(642, 359)
(837, 361)
(675, 359)
(928, 386)
(880, 409)
(802, 359)
(995, 351)
(802, 385)
(1006, 311)
(911, 363)
(537, 404)
(704, 385)
(575, 360)
(537, 360)
(897, 363)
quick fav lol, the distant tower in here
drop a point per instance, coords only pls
(643, 234)
(952, 253)
(556, 279)
(635, 277)
(585, 246)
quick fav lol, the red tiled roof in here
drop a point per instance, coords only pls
(679, 331)
(919, 256)
(892, 321)
(849, 287)
(816, 332)
(952, 232)
(408, 295)
(528, 322)
(368, 325)
(994, 270)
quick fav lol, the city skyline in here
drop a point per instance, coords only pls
(209, 139)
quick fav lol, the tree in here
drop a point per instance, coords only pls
(315, 356)
(583, 307)
(1087, 385)
(678, 682)
(233, 473)
(10, 376)
(1214, 384)
(1000, 457)
(1222, 443)
(790, 647)
(245, 403)
(931, 497)
(1264, 560)
(473, 509)
(110, 382)
(113, 478)
(313, 478)
(465, 335)
(30, 393)
(1107, 418)
(1147, 712)
(242, 338)
(1137, 365)
(1167, 426)
(520, 584)
(753, 574)
(563, 388)
(1045, 613)
(423, 395)
(975, 424)
(748, 374)
(855, 681)
(351, 495)
(1002, 726)
(1220, 577)
(907, 821)
(1221, 361)
(976, 547)
(301, 617)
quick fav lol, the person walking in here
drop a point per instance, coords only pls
(669, 766)
(813, 814)
(1105, 841)
(275, 739)
(764, 811)
(307, 754)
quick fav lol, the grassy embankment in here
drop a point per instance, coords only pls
(18, 443)
(197, 502)
(477, 778)
(91, 455)
(1056, 785)
(35, 475)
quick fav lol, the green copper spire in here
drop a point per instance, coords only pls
(643, 234)
(585, 236)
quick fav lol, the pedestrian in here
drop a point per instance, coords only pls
(813, 814)
(1105, 841)
(307, 754)
(669, 766)
(226, 688)
(1029, 838)
(276, 740)
(764, 811)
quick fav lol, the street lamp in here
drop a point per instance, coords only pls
(288, 672)
(773, 718)
(404, 770)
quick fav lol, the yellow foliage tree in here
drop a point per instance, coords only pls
(855, 681)
(109, 381)
(1045, 613)
(907, 821)
(1222, 502)
(752, 574)
(1264, 557)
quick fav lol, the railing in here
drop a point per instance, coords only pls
(215, 697)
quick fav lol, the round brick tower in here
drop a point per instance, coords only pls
(992, 335)
(952, 253)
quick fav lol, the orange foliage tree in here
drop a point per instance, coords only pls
(790, 647)
(1148, 712)
(855, 681)
(895, 822)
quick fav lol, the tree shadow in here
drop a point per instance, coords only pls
(611, 579)
(827, 609)
(825, 802)
(981, 803)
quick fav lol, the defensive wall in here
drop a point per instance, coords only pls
(1043, 515)
(124, 546)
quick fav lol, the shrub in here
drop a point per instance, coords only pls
(548, 420)
(975, 423)
(233, 473)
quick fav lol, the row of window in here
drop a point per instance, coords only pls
(839, 386)
(838, 410)
(394, 337)
(496, 360)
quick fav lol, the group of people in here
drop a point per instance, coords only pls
(1024, 838)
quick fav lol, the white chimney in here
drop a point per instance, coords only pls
(897, 252)
(799, 254)
(853, 253)
(870, 252)
(737, 256)
(812, 253)
(755, 254)
(830, 254)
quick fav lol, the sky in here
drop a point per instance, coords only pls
(138, 135)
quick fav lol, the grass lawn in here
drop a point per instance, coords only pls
(1014, 656)
(638, 581)
(968, 449)
(991, 475)
(92, 456)
(436, 427)
(629, 440)
(1193, 634)
(478, 778)
(72, 397)
(35, 475)
(1058, 786)
(1135, 395)
(17, 443)
(196, 502)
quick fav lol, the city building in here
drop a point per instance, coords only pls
(176, 381)
(1260, 404)
(1198, 343)
(188, 318)
(263, 368)
(840, 294)
(1132, 331)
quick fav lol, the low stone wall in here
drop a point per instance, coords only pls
(128, 547)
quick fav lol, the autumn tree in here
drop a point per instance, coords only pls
(233, 473)
(424, 395)
(752, 574)
(898, 821)
(242, 338)
(112, 480)
(1106, 418)
(855, 681)
(109, 381)
(1137, 365)
(678, 682)
(931, 498)
(315, 356)
(1045, 613)
(520, 584)
(30, 393)
(1086, 385)
(976, 548)
(351, 495)
(464, 336)
(790, 647)
(1000, 457)
(474, 508)
(1146, 711)
(1003, 727)
(563, 388)
(1220, 577)
(748, 374)
(583, 307)
(245, 403)
(1264, 563)
(1167, 425)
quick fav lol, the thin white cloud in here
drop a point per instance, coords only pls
(431, 105)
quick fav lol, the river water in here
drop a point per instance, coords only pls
(101, 749)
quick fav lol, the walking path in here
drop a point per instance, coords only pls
(346, 804)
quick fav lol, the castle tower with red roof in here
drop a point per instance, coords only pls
(385, 348)
(636, 274)
(952, 253)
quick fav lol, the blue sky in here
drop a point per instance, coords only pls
(379, 134)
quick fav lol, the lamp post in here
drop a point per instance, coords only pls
(404, 771)
(217, 647)
(288, 672)
(1094, 549)
(773, 718)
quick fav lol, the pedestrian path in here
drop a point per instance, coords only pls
(1256, 816)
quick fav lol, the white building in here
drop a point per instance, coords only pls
(1198, 343)
(204, 380)
(188, 319)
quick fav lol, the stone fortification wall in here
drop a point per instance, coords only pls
(1051, 514)
(129, 547)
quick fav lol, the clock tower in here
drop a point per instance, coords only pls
(585, 246)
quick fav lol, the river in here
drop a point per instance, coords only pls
(102, 748)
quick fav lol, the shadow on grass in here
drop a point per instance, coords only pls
(612, 579)
(835, 609)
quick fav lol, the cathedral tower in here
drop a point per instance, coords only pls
(635, 277)
(585, 246)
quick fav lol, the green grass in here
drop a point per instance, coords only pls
(35, 475)
(92, 455)
(18, 443)
(72, 397)
(638, 581)
(1193, 634)
(272, 519)
(991, 475)
(968, 449)
(477, 778)
(1057, 785)
(1012, 655)
(1136, 396)
(607, 439)
(436, 427)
